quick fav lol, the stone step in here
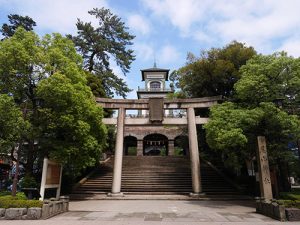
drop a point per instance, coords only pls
(155, 174)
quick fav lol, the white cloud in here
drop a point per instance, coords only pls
(181, 13)
(55, 15)
(260, 23)
(202, 36)
(139, 24)
(144, 51)
(168, 54)
(292, 46)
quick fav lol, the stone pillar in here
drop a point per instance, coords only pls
(139, 148)
(171, 148)
(263, 169)
(117, 174)
(194, 152)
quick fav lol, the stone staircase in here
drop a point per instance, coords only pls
(156, 175)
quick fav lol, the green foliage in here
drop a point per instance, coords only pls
(233, 130)
(214, 72)
(163, 152)
(98, 44)
(176, 95)
(4, 193)
(178, 151)
(71, 121)
(16, 21)
(289, 203)
(9, 197)
(28, 182)
(21, 61)
(270, 78)
(19, 203)
(95, 83)
(68, 126)
(12, 124)
(290, 195)
(234, 127)
(132, 151)
(225, 130)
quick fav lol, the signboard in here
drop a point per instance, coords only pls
(156, 109)
(53, 174)
(155, 76)
(51, 177)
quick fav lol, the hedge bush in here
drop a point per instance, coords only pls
(19, 201)
(4, 193)
(19, 196)
(7, 203)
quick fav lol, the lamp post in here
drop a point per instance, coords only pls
(278, 102)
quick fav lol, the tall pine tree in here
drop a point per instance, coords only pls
(99, 45)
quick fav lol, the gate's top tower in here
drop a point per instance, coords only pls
(155, 83)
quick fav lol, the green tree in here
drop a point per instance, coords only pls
(233, 129)
(12, 124)
(26, 62)
(97, 45)
(16, 21)
(271, 78)
(70, 121)
(214, 72)
(12, 130)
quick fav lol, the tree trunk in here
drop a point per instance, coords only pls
(91, 62)
(16, 177)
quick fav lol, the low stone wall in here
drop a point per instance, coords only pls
(50, 208)
(292, 214)
(276, 211)
(271, 209)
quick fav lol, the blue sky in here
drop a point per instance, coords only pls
(169, 29)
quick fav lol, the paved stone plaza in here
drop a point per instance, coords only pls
(150, 212)
(164, 212)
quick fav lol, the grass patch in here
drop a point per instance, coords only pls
(293, 195)
(290, 199)
(289, 203)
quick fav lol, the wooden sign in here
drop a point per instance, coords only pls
(51, 177)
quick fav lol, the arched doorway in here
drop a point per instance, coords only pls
(130, 145)
(155, 144)
(181, 145)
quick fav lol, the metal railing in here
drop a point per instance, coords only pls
(147, 115)
(154, 89)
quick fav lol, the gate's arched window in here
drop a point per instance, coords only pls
(155, 85)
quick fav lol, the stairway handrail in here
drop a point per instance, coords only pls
(83, 180)
(227, 179)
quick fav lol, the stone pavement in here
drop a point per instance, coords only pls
(162, 212)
